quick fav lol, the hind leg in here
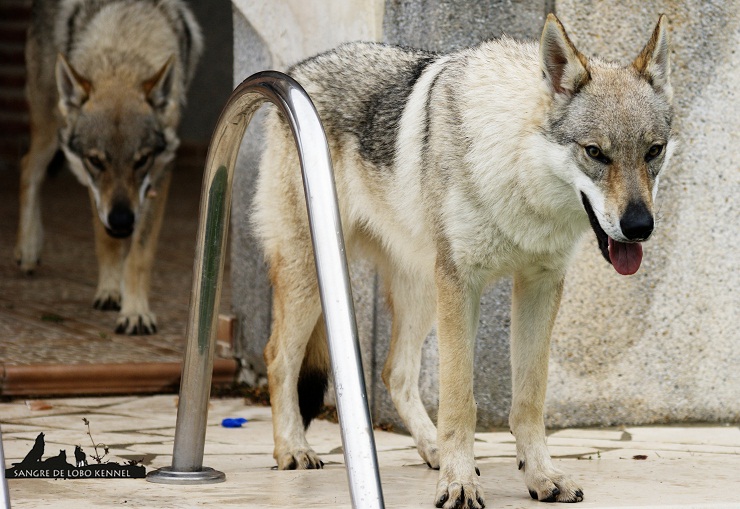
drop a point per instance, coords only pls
(296, 310)
(413, 306)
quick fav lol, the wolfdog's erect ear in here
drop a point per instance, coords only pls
(73, 88)
(158, 88)
(565, 68)
(654, 61)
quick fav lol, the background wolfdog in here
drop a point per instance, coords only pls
(106, 84)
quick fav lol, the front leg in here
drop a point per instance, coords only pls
(458, 305)
(135, 316)
(110, 253)
(44, 145)
(535, 302)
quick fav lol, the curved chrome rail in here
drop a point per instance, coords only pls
(331, 265)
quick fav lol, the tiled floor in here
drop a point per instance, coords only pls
(48, 318)
(683, 467)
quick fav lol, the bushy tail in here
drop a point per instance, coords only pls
(313, 379)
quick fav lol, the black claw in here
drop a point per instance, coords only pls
(292, 465)
(553, 496)
(579, 495)
(321, 464)
(477, 471)
(460, 502)
(107, 305)
(429, 464)
(138, 328)
(480, 501)
(441, 501)
(521, 465)
(121, 327)
(533, 494)
(154, 328)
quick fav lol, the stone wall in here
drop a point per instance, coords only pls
(655, 347)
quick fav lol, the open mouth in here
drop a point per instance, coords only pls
(625, 257)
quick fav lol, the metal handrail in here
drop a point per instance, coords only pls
(333, 277)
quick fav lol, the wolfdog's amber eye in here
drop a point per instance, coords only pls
(654, 152)
(141, 162)
(595, 153)
(95, 162)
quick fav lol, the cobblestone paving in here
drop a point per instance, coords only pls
(48, 318)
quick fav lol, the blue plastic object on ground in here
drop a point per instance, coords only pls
(233, 422)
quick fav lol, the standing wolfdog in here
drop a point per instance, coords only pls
(106, 83)
(453, 171)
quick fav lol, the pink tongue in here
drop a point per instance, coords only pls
(625, 257)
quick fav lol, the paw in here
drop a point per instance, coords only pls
(429, 453)
(27, 259)
(459, 493)
(301, 459)
(135, 324)
(551, 485)
(107, 300)
(28, 248)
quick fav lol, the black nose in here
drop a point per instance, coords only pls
(637, 221)
(120, 221)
